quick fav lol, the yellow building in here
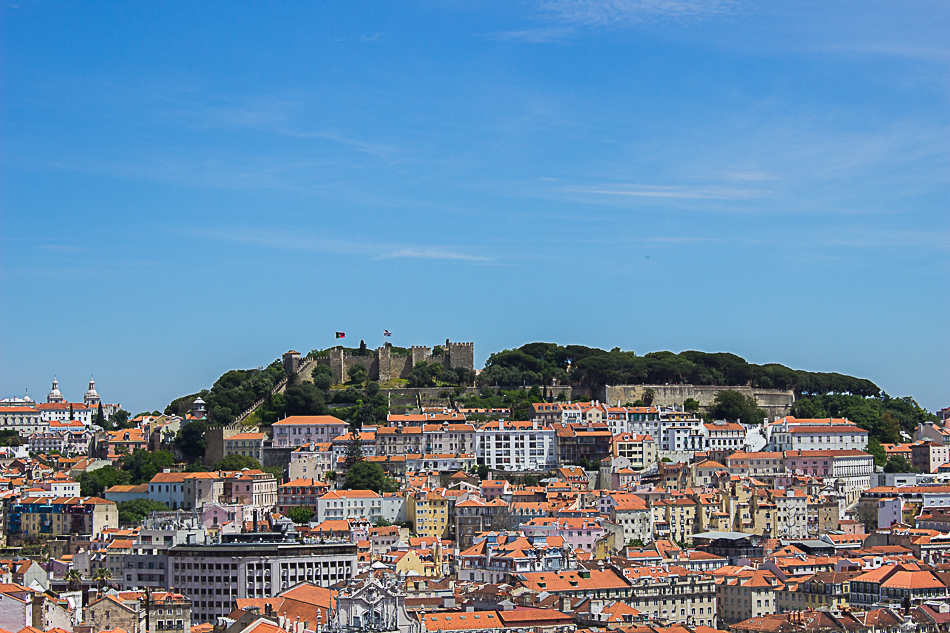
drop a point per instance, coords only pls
(675, 519)
(826, 590)
(429, 514)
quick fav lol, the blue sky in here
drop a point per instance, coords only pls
(192, 187)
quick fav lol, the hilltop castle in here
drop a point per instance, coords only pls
(385, 363)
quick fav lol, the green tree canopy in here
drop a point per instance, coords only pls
(121, 419)
(899, 464)
(691, 404)
(93, 483)
(537, 363)
(304, 399)
(369, 476)
(877, 451)
(9, 437)
(191, 441)
(237, 462)
(136, 510)
(234, 392)
(300, 514)
(142, 465)
(732, 405)
(358, 373)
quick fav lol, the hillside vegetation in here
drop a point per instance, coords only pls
(538, 363)
(520, 371)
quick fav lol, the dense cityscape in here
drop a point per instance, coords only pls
(398, 489)
(474, 316)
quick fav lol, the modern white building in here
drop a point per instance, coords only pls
(516, 446)
(214, 576)
(65, 411)
(791, 434)
(349, 504)
(725, 436)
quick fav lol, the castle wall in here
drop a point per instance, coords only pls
(776, 402)
(400, 366)
(215, 435)
(370, 362)
(381, 365)
(384, 356)
(461, 354)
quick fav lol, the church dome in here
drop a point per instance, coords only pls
(92, 396)
(54, 394)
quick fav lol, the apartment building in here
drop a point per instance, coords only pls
(851, 468)
(426, 439)
(792, 434)
(576, 442)
(675, 518)
(64, 411)
(639, 449)
(473, 517)
(214, 576)
(429, 513)
(748, 594)
(724, 436)
(130, 611)
(619, 419)
(496, 557)
(578, 532)
(311, 460)
(766, 466)
(632, 514)
(672, 594)
(300, 492)
(299, 430)
(49, 516)
(519, 445)
(246, 444)
(929, 456)
(349, 504)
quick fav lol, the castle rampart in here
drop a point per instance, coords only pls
(776, 402)
(381, 365)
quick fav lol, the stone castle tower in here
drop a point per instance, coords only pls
(382, 365)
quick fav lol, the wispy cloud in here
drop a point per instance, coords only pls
(676, 191)
(750, 176)
(541, 35)
(432, 253)
(287, 240)
(381, 150)
(576, 17)
(595, 13)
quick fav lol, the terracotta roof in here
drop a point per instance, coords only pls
(298, 420)
(462, 621)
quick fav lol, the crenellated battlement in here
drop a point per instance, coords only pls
(382, 365)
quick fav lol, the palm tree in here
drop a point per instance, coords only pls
(73, 580)
(102, 577)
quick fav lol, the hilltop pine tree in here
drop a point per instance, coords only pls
(354, 452)
(100, 420)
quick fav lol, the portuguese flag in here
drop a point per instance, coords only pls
(341, 334)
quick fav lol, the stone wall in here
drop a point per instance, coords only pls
(215, 435)
(381, 365)
(276, 456)
(776, 402)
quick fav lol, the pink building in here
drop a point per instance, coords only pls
(579, 533)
